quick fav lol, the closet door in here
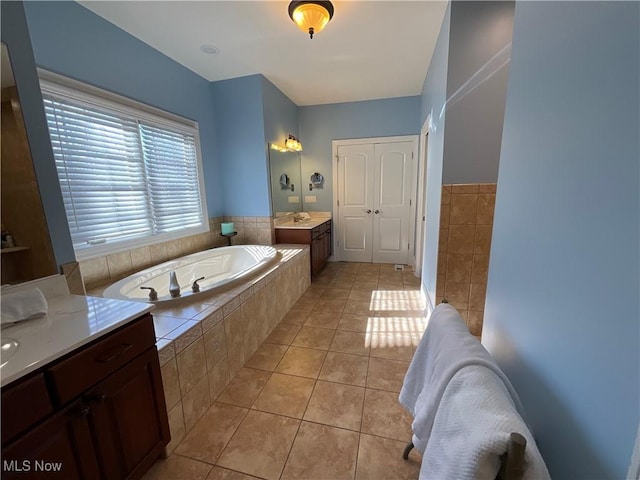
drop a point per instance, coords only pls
(391, 202)
(355, 202)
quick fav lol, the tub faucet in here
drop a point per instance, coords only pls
(153, 295)
(195, 288)
(174, 287)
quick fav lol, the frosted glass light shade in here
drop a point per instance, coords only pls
(311, 17)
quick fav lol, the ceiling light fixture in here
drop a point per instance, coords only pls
(311, 16)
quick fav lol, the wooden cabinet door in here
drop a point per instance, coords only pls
(129, 418)
(59, 448)
(317, 247)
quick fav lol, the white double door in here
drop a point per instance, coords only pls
(374, 201)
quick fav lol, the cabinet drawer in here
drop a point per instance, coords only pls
(23, 405)
(84, 369)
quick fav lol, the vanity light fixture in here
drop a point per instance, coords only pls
(311, 16)
(291, 144)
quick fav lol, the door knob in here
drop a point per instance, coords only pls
(377, 212)
(369, 211)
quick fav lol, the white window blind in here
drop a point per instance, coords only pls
(127, 178)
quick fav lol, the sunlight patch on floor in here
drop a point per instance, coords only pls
(389, 332)
(396, 300)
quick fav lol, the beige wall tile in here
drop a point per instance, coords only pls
(234, 328)
(236, 359)
(119, 265)
(474, 322)
(219, 378)
(464, 188)
(74, 278)
(215, 345)
(170, 383)
(461, 239)
(477, 297)
(195, 403)
(487, 187)
(158, 253)
(463, 209)
(192, 366)
(95, 272)
(457, 294)
(140, 258)
(459, 267)
(486, 206)
(444, 216)
(442, 262)
(446, 195)
(482, 241)
(480, 269)
(176, 427)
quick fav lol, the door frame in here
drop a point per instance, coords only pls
(334, 167)
(421, 205)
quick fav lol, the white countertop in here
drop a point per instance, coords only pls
(72, 321)
(303, 225)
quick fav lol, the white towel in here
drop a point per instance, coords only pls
(471, 430)
(20, 306)
(446, 347)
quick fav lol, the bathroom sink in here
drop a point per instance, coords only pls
(8, 348)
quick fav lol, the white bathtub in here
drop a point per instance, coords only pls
(218, 266)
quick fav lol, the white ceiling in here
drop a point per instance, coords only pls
(370, 49)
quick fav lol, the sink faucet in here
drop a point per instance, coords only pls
(174, 286)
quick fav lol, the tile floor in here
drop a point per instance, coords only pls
(319, 399)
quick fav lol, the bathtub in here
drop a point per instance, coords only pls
(218, 266)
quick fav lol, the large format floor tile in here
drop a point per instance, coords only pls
(336, 461)
(261, 445)
(319, 398)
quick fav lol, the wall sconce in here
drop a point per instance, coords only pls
(291, 144)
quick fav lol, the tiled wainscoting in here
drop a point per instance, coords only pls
(111, 268)
(202, 346)
(466, 223)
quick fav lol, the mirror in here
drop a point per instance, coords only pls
(286, 186)
(26, 246)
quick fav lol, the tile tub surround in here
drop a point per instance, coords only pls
(319, 398)
(203, 346)
(99, 271)
(466, 223)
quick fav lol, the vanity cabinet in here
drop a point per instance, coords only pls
(318, 238)
(102, 411)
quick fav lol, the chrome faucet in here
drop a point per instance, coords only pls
(153, 295)
(195, 288)
(174, 286)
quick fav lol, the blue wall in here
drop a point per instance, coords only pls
(320, 124)
(15, 35)
(241, 145)
(71, 40)
(432, 105)
(562, 313)
(478, 70)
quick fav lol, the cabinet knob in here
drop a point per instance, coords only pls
(369, 211)
(377, 212)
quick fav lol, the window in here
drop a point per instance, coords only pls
(130, 175)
